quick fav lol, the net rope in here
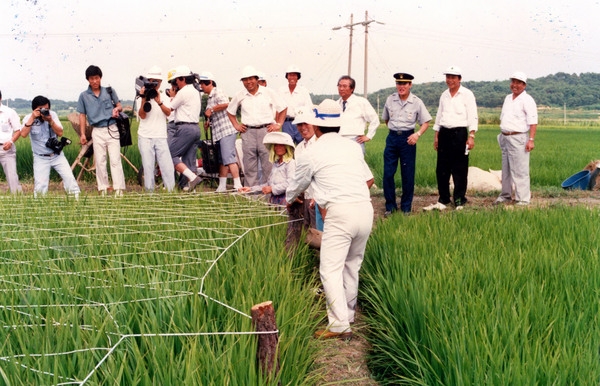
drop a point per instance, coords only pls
(44, 241)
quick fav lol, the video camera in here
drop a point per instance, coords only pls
(150, 91)
(56, 145)
(45, 112)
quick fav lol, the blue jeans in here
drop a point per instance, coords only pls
(398, 149)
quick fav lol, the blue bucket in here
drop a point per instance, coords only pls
(577, 181)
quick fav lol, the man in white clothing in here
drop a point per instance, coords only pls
(518, 125)
(357, 112)
(10, 132)
(341, 178)
(295, 97)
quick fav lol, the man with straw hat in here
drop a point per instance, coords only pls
(341, 178)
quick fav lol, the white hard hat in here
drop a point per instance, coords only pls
(293, 69)
(261, 76)
(154, 72)
(179, 71)
(205, 75)
(278, 138)
(519, 76)
(249, 71)
(453, 70)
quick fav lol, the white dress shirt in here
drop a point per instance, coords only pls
(459, 110)
(357, 114)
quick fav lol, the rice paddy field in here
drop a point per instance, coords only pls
(157, 289)
(147, 290)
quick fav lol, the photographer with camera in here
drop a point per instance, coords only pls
(96, 105)
(153, 111)
(44, 128)
(9, 133)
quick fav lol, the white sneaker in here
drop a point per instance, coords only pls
(522, 203)
(221, 189)
(437, 206)
(118, 193)
(460, 207)
(501, 200)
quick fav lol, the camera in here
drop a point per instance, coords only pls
(45, 112)
(150, 91)
(56, 145)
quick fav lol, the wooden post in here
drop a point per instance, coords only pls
(263, 319)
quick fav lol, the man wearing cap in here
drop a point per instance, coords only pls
(152, 132)
(294, 96)
(402, 111)
(455, 126)
(356, 113)
(262, 110)
(183, 142)
(341, 178)
(518, 125)
(10, 132)
(222, 132)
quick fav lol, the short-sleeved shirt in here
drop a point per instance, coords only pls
(40, 132)
(9, 123)
(186, 104)
(295, 99)
(459, 110)
(219, 121)
(155, 123)
(98, 109)
(257, 109)
(518, 114)
(404, 115)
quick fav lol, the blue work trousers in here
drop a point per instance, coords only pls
(397, 150)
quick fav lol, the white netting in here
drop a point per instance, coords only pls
(75, 268)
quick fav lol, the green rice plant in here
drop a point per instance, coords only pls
(496, 298)
(149, 289)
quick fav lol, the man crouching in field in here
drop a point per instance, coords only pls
(44, 127)
(341, 181)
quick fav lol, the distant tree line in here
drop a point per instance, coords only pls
(576, 91)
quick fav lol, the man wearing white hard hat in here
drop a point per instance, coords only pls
(262, 110)
(455, 126)
(222, 130)
(341, 178)
(183, 143)
(518, 125)
(153, 109)
(295, 96)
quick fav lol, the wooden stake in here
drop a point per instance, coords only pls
(263, 319)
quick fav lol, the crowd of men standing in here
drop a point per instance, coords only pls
(331, 178)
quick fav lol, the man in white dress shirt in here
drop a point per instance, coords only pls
(295, 97)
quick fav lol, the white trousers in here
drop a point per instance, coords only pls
(347, 229)
(515, 166)
(106, 141)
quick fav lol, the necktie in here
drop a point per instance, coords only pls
(344, 105)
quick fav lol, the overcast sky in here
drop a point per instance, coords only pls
(46, 45)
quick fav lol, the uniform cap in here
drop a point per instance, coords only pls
(453, 70)
(402, 77)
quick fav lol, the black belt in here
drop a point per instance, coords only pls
(45, 155)
(287, 119)
(401, 132)
(453, 128)
(186, 123)
(257, 127)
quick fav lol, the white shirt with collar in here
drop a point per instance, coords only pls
(518, 113)
(357, 114)
(186, 104)
(297, 98)
(459, 110)
(335, 166)
(9, 123)
(257, 108)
